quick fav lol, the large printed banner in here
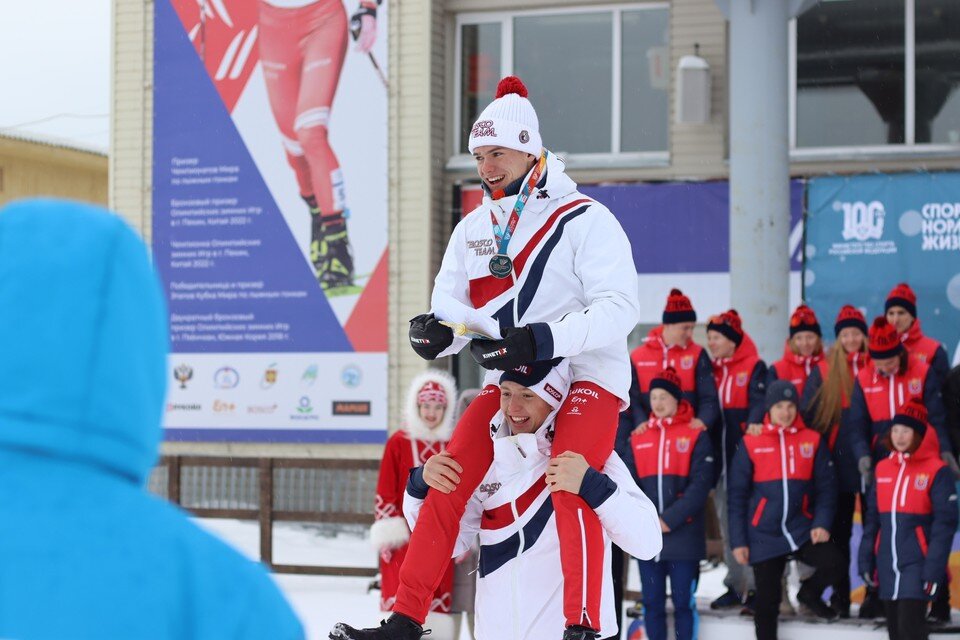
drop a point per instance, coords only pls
(270, 220)
(867, 233)
(680, 234)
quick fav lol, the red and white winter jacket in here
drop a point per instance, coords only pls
(573, 270)
(520, 580)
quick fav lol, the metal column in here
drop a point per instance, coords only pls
(759, 167)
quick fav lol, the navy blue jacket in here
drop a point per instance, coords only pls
(772, 514)
(876, 399)
(912, 507)
(674, 466)
(741, 386)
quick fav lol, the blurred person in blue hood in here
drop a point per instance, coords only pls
(85, 551)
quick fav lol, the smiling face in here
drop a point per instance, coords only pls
(899, 318)
(851, 339)
(662, 403)
(523, 410)
(806, 343)
(783, 413)
(719, 345)
(432, 413)
(499, 166)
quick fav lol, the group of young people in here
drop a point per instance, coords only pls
(531, 467)
(795, 445)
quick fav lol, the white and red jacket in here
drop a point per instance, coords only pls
(520, 581)
(573, 270)
(409, 447)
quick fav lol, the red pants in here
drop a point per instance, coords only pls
(586, 423)
(302, 52)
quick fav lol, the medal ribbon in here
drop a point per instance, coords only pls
(503, 237)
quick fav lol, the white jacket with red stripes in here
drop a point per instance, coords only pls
(573, 271)
(520, 581)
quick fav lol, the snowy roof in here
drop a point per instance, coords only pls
(53, 141)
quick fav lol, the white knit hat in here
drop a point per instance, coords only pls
(509, 121)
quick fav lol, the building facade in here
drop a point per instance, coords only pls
(872, 87)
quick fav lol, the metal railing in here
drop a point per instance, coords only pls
(316, 490)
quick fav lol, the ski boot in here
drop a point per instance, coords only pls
(396, 627)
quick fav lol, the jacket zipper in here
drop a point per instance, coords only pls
(663, 434)
(724, 382)
(584, 616)
(893, 534)
(893, 408)
(786, 493)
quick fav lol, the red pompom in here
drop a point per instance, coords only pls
(676, 292)
(511, 84)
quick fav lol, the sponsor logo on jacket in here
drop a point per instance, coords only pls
(482, 247)
(806, 449)
(742, 379)
(553, 392)
(586, 392)
(683, 445)
(686, 362)
(921, 482)
(489, 488)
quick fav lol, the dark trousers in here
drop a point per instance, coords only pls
(840, 535)
(906, 619)
(684, 576)
(617, 566)
(823, 557)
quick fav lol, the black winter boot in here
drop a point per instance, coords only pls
(396, 627)
(577, 632)
(335, 258)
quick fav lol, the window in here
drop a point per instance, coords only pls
(876, 73)
(598, 76)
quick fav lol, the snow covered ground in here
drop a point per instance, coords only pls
(321, 601)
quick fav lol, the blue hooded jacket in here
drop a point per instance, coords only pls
(85, 551)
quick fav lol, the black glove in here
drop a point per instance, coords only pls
(428, 337)
(518, 347)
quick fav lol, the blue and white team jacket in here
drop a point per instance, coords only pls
(573, 280)
(520, 581)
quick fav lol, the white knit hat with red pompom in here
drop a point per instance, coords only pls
(509, 121)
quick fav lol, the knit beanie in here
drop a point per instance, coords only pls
(669, 381)
(549, 379)
(509, 121)
(902, 296)
(849, 316)
(728, 325)
(913, 414)
(679, 308)
(804, 319)
(432, 391)
(883, 341)
(778, 391)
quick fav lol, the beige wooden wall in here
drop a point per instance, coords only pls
(30, 169)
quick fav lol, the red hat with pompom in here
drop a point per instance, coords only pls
(902, 296)
(679, 308)
(509, 121)
(727, 324)
(804, 319)
(883, 340)
(913, 414)
(849, 316)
